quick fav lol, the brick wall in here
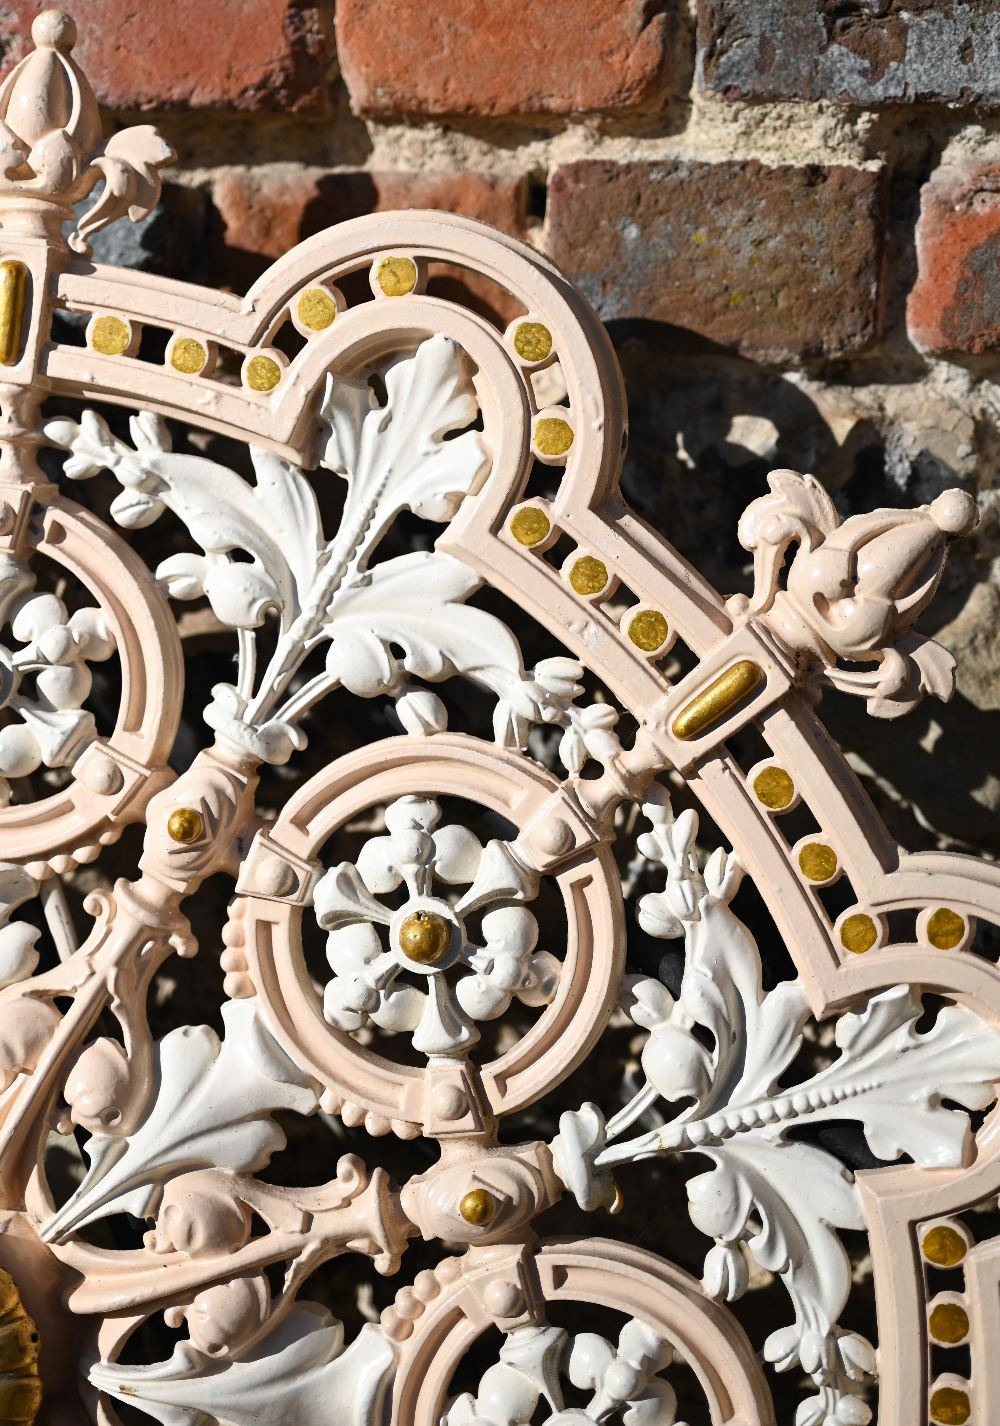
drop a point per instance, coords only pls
(787, 211)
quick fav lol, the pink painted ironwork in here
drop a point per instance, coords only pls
(506, 443)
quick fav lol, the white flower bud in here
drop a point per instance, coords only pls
(422, 713)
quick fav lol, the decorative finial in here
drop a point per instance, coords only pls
(51, 148)
(54, 30)
(854, 589)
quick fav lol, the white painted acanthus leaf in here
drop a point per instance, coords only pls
(265, 556)
(210, 1108)
(784, 1199)
(298, 1372)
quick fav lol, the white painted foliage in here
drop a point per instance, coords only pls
(394, 457)
(298, 1372)
(210, 1108)
(623, 1380)
(369, 985)
(45, 677)
(783, 1198)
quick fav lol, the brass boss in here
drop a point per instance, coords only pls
(477, 1207)
(185, 825)
(425, 937)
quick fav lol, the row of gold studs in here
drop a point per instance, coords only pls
(944, 1244)
(940, 927)
(589, 577)
(314, 311)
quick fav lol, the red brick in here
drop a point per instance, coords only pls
(202, 54)
(854, 51)
(955, 303)
(264, 213)
(778, 263)
(492, 57)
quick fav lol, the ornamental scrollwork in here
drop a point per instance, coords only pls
(470, 718)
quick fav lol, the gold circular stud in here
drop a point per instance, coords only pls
(532, 341)
(110, 336)
(185, 825)
(858, 933)
(262, 373)
(530, 525)
(774, 788)
(188, 356)
(588, 575)
(316, 309)
(945, 929)
(949, 1323)
(425, 937)
(396, 276)
(477, 1207)
(553, 436)
(648, 630)
(944, 1247)
(950, 1406)
(817, 861)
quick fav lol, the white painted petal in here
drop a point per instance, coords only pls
(377, 866)
(589, 1359)
(457, 854)
(340, 1008)
(352, 947)
(400, 1009)
(481, 997)
(412, 813)
(544, 975)
(510, 930)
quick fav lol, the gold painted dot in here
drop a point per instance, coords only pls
(553, 435)
(316, 309)
(944, 1247)
(425, 937)
(950, 1406)
(774, 787)
(110, 336)
(648, 630)
(588, 575)
(949, 1323)
(945, 929)
(185, 825)
(397, 276)
(858, 933)
(532, 341)
(188, 356)
(530, 525)
(262, 373)
(818, 861)
(478, 1207)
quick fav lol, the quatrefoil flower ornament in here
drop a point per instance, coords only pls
(44, 682)
(426, 937)
(622, 1381)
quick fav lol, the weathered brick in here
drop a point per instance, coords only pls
(202, 54)
(777, 263)
(856, 51)
(265, 212)
(955, 303)
(507, 56)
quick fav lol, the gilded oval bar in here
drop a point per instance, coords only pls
(715, 701)
(13, 288)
